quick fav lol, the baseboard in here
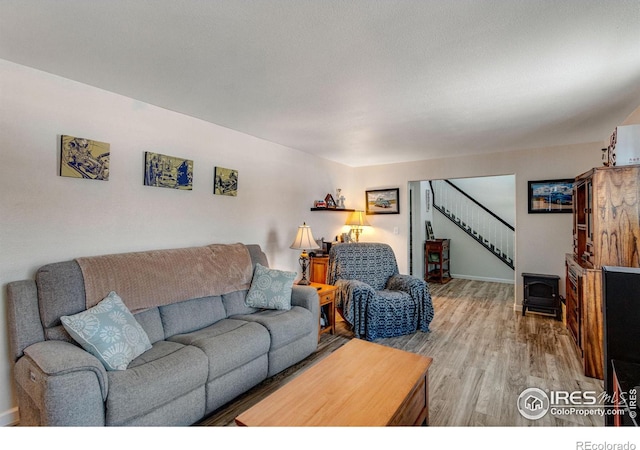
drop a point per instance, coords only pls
(9, 418)
(474, 278)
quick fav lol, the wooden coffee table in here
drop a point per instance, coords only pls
(360, 384)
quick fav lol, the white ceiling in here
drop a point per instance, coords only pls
(360, 82)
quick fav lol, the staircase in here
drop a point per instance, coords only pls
(481, 224)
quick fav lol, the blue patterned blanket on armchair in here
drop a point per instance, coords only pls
(375, 299)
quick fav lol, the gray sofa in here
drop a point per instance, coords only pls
(205, 352)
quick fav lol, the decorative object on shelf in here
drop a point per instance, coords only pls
(551, 196)
(304, 241)
(225, 182)
(624, 146)
(345, 238)
(383, 201)
(168, 171)
(320, 204)
(429, 230)
(339, 199)
(84, 158)
(606, 156)
(331, 203)
(357, 221)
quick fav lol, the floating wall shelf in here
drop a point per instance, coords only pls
(332, 209)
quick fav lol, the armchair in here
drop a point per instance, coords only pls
(374, 298)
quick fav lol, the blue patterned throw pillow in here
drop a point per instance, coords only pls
(270, 289)
(109, 332)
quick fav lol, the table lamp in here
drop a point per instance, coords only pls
(356, 221)
(304, 241)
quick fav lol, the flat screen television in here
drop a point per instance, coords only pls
(621, 319)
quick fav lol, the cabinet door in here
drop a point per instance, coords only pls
(573, 311)
(318, 270)
(588, 211)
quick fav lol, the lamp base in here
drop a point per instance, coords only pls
(304, 264)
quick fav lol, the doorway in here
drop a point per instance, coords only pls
(468, 258)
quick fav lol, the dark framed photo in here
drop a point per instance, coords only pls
(550, 196)
(383, 201)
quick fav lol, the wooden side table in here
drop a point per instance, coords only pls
(436, 261)
(327, 295)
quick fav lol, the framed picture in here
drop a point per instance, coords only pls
(84, 158)
(168, 171)
(225, 182)
(551, 196)
(383, 201)
(429, 231)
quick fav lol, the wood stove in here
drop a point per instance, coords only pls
(541, 294)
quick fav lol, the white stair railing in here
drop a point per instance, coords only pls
(476, 220)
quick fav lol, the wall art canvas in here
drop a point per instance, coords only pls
(168, 171)
(84, 158)
(550, 196)
(383, 201)
(225, 182)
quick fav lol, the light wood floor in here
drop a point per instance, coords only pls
(484, 355)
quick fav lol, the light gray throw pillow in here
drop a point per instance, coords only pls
(109, 332)
(270, 288)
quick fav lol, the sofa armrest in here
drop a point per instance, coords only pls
(60, 384)
(23, 317)
(59, 358)
(306, 297)
(405, 283)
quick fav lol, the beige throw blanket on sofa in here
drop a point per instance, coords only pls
(154, 278)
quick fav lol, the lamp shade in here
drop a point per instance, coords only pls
(304, 239)
(358, 219)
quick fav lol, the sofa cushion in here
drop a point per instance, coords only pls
(151, 323)
(234, 303)
(185, 317)
(284, 326)
(270, 288)
(109, 332)
(164, 373)
(228, 344)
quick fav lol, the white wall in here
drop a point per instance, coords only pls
(496, 193)
(421, 213)
(542, 240)
(47, 218)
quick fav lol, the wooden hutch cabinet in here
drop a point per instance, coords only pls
(606, 232)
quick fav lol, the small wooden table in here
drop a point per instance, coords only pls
(327, 295)
(360, 384)
(436, 260)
